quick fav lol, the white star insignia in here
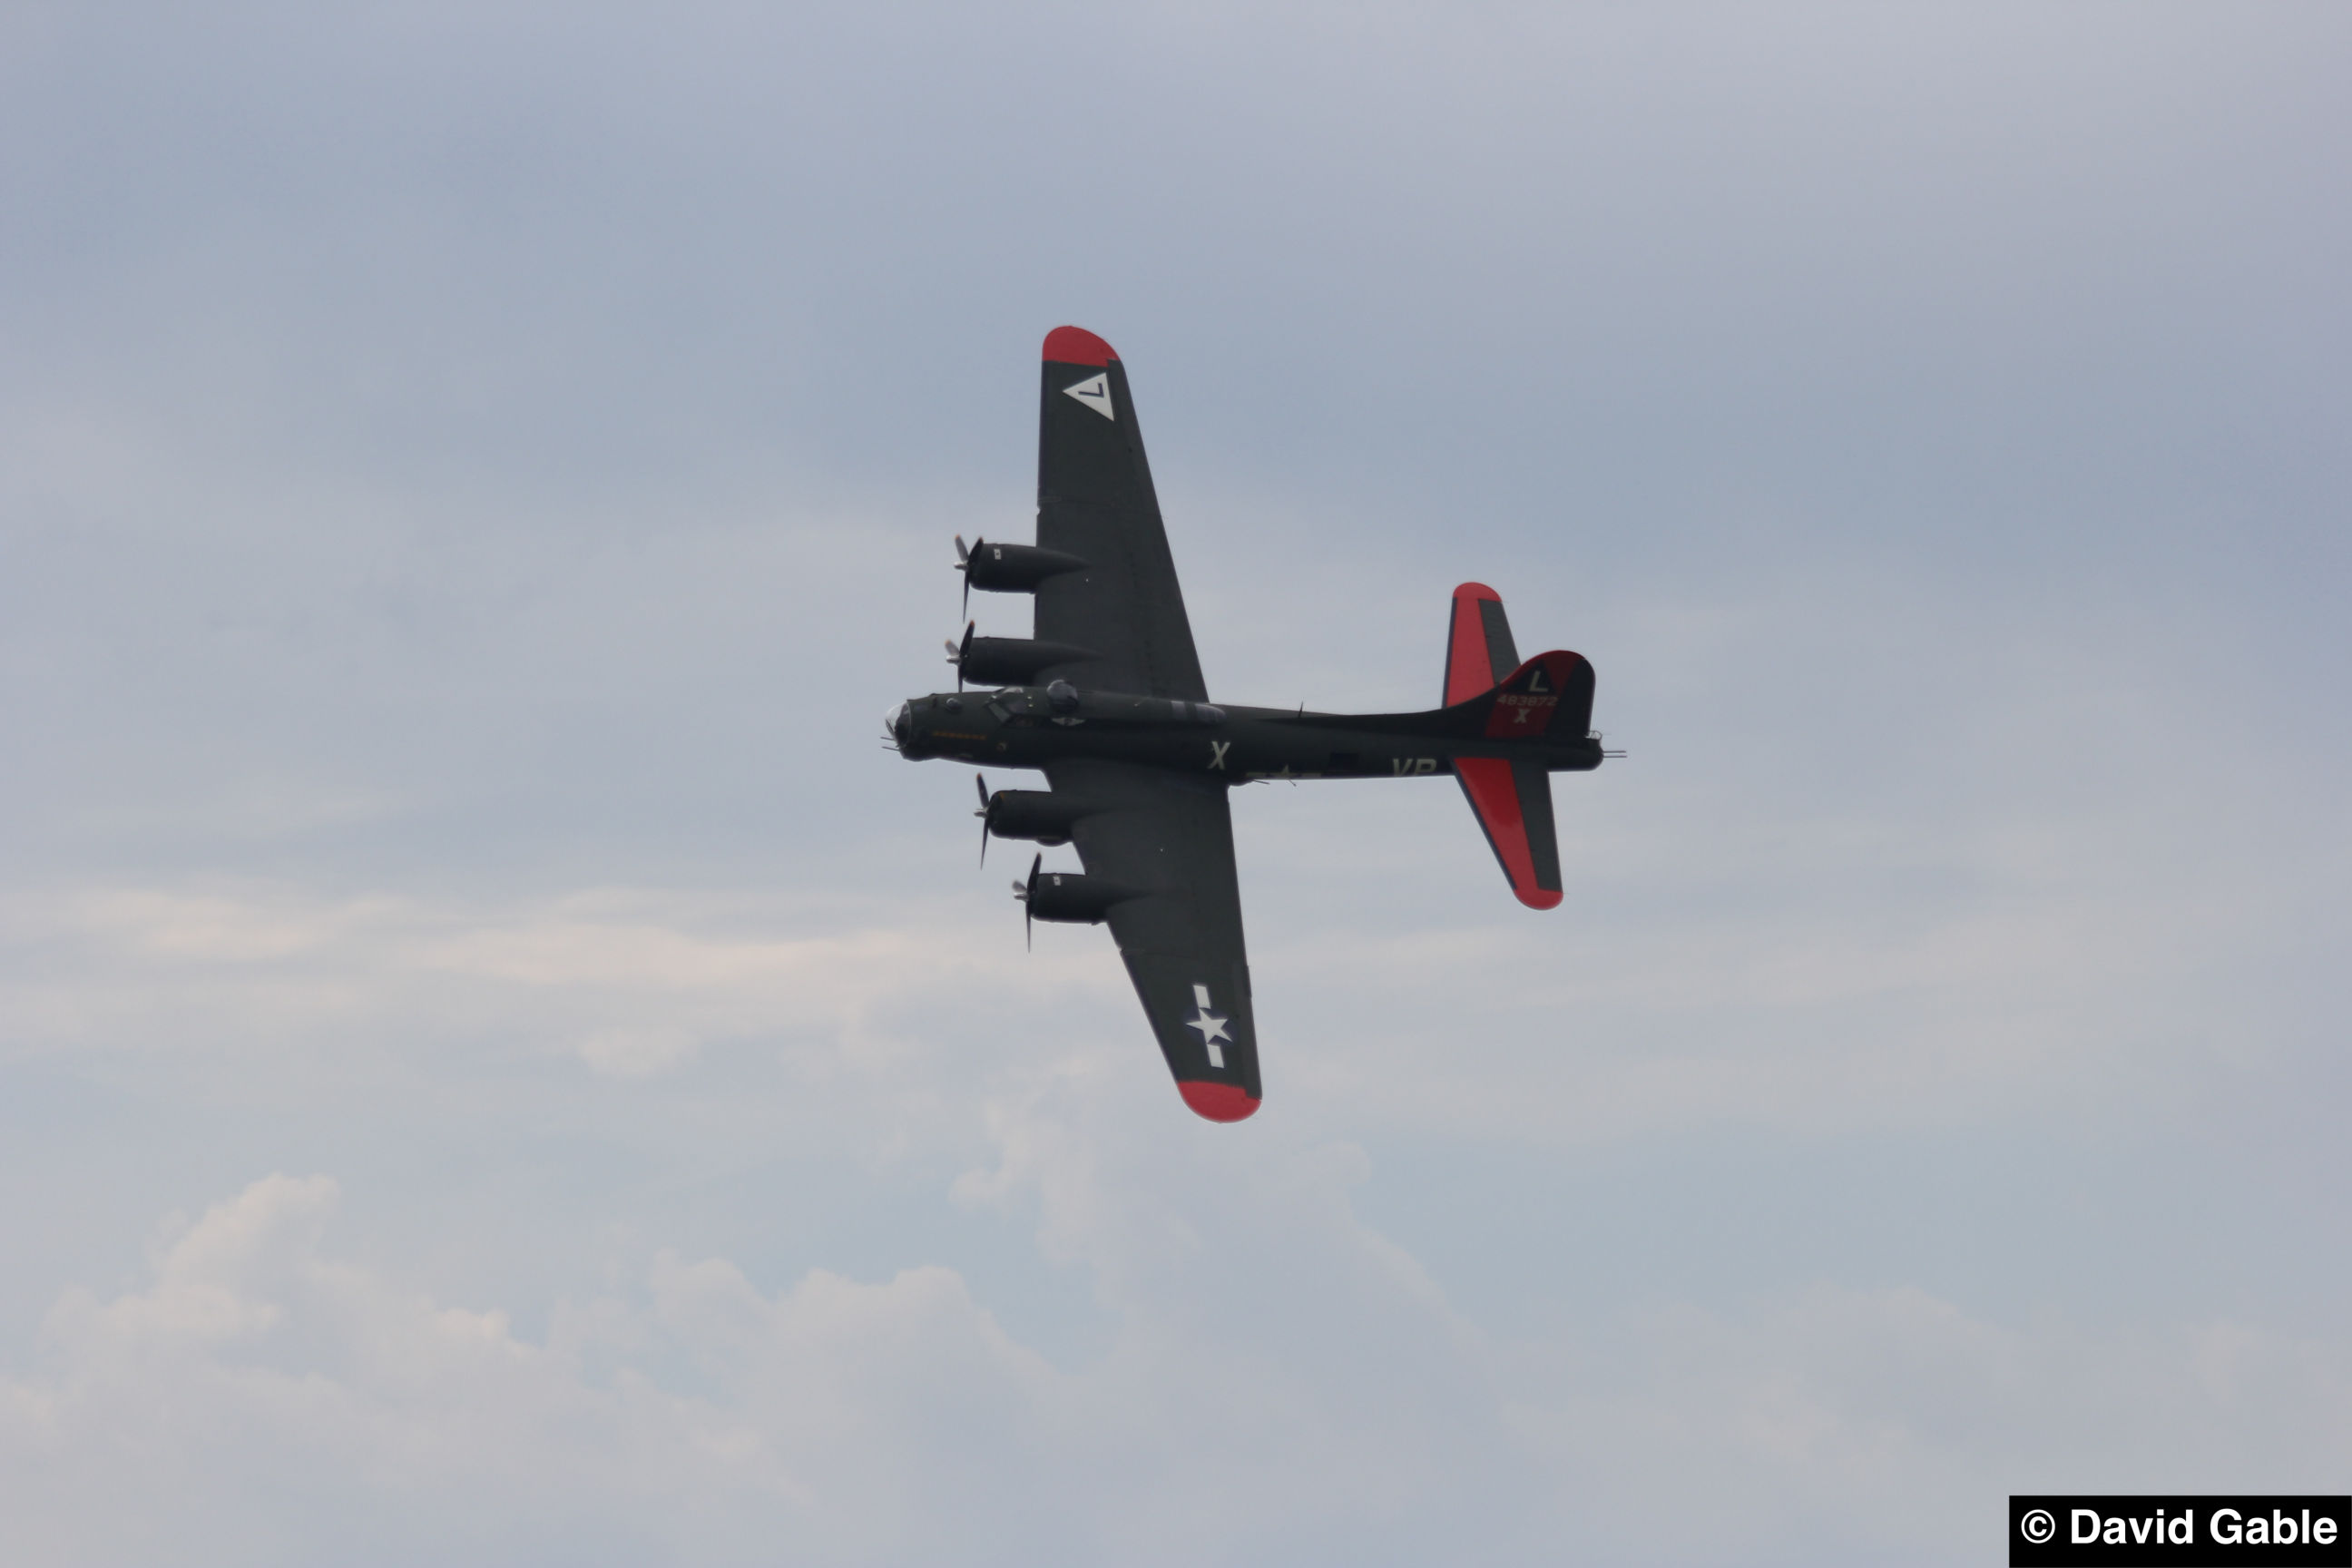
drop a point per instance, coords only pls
(1210, 1024)
(1211, 1027)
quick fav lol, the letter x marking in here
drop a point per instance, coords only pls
(1217, 750)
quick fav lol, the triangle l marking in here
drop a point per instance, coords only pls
(1095, 392)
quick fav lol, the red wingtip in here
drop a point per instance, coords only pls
(1538, 898)
(1076, 345)
(1217, 1102)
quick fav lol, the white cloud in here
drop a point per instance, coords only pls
(633, 981)
(636, 1053)
(1298, 1383)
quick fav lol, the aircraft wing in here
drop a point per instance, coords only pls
(1094, 501)
(1171, 836)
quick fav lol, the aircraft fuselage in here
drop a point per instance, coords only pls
(1029, 727)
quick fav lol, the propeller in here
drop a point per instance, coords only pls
(956, 652)
(963, 564)
(1021, 890)
(981, 783)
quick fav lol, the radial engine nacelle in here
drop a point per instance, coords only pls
(1036, 813)
(1066, 896)
(1069, 896)
(1011, 568)
(1008, 661)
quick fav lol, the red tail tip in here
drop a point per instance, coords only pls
(1076, 345)
(1217, 1102)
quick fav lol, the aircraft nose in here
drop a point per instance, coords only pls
(900, 724)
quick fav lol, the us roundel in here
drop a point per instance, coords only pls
(1095, 392)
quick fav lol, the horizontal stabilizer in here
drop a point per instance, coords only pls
(1513, 804)
(1479, 653)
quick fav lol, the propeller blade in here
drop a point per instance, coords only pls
(964, 652)
(1029, 907)
(962, 555)
(982, 784)
(963, 564)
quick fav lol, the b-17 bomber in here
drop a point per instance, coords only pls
(1106, 699)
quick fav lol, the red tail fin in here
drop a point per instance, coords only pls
(1551, 694)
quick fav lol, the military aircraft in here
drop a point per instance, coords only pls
(1107, 698)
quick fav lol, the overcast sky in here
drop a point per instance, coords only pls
(498, 1065)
